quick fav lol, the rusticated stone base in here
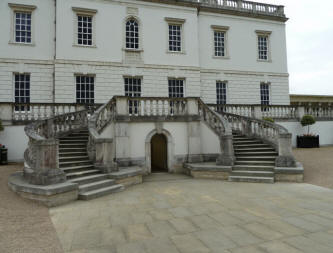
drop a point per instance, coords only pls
(52, 176)
(297, 178)
(130, 180)
(289, 174)
(210, 175)
(50, 195)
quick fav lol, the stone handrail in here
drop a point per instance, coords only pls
(220, 125)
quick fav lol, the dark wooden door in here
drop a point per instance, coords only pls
(159, 153)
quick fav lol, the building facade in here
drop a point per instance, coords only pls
(86, 51)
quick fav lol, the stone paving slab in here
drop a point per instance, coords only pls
(185, 215)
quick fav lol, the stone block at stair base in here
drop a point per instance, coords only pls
(130, 180)
(286, 174)
(210, 175)
(49, 195)
(208, 170)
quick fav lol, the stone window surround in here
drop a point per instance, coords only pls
(140, 49)
(22, 8)
(13, 87)
(84, 12)
(225, 29)
(266, 34)
(178, 78)
(86, 75)
(175, 21)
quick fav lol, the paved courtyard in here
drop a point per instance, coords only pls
(178, 214)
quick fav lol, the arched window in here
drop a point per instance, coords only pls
(132, 34)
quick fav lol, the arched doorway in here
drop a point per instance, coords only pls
(159, 153)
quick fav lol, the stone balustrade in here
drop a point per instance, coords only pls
(19, 112)
(280, 112)
(243, 6)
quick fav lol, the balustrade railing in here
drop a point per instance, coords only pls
(246, 6)
(156, 106)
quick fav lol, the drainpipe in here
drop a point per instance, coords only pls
(55, 51)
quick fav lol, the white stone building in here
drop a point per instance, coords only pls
(86, 51)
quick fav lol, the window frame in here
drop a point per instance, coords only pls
(267, 34)
(22, 8)
(224, 29)
(88, 13)
(178, 22)
(269, 93)
(14, 91)
(177, 79)
(139, 49)
(226, 91)
(94, 83)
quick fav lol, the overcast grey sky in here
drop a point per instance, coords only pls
(310, 45)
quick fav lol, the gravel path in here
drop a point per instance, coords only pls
(318, 165)
(24, 225)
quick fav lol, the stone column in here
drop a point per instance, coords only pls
(227, 157)
(44, 168)
(285, 158)
(192, 106)
(6, 113)
(300, 111)
(122, 142)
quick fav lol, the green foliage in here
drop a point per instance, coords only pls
(307, 120)
(1, 126)
(269, 119)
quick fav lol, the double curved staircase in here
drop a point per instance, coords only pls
(71, 147)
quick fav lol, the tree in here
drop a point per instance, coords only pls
(308, 120)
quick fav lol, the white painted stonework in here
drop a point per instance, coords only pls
(54, 52)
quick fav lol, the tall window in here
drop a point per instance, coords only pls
(23, 27)
(264, 93)
(221, 93)
(175, 37)
(263, 47)
(176, 88)
(132, 34)
(219, 43)
(132, 89)
(22, 90)
(85, 90)
(84, 30)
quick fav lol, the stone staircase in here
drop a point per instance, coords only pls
(74, 161)
(255, 160)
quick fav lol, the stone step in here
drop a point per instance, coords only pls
(89, 179)
(71, 150)
(75, 163)
(242, 139)
(81, 173)
(75, 137)
(255, 158)
(253, 167)
(255, 145)
(95, 185)
(252, 149)
(73, 158)
(250, 173)
(256, 162)
(85, 134)
(124, 172)
(256, 153)
(82, 141)
(251, 179)
(72, 154)
(240, 142)
(72, 145)
(101, 192)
